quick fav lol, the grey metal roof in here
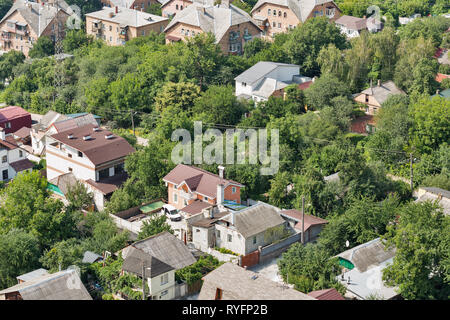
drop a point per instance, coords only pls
(63, 285)
(268, 86)
(137, 258)
(260, 70)
(301, 8)
(368, 255)
(256, 219)
(240, 284)
(32, 275)
(216, 19)
(126, 17)
(436, 194)
(166, 248)
(91, 257)
(381, 93)
(38, 17)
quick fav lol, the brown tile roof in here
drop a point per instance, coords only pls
(12, 112)
(198, 180)
(23, 132)
(22, 165)
(326, 294)
(195, 207)
(353, 23)
(208, 222)
(109, 185)
(98, 149)
(309, 219)
(8, 145)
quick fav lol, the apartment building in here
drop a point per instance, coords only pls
(277, 16)
(117, 25)
(95, 156)
(141, 5)
(171, 7)
(26, 21)
(231, 26)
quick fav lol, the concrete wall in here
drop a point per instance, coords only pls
(11, 156)
(156, 289)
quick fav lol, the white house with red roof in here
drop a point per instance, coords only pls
(13, 118)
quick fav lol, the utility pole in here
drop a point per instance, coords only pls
(132, 121)
(303, 219)
(143, 281)
(59, 50)
(411, 171)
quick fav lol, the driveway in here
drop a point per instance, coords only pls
(269, 270)
(175, 225)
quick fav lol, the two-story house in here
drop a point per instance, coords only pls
(117, 25)
(13, 118)
(277, 16)
(171, 7)
(95, 156)
(13, 159)
(267, 79)
(26, 21)
(231, 26)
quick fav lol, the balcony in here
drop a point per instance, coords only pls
(187, 196)
(6, 37)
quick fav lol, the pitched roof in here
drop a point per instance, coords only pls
(326, 294)
(256, 219)
(215, 18)
(353, 23)
(38, 17)
(23, 132)
(98, 149)
(240, 284)
(310, 220)
(208, 222)
(12, 112)
(259, 70)
(48, 119)
(195, 207)
(166, 248)
(110, 184)
(63, 285)
(301, 8)
(32, 275)
(198, 180)
(166, 2)
(21, 165)
(91, 257)
(368, 255)
(75, 122)
(7, 145)
(436, 194)
(64, 182)
(137, 258)
(126, 17)
(443, 94)
(381, 93)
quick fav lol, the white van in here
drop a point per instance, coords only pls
(171, 212)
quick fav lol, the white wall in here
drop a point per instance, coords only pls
(12, 156)
(349, 33)
(237, 245)
(155, 287)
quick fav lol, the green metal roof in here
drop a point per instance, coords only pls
(54, 189)
(345, 263)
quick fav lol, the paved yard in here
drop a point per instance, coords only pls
(269, 270)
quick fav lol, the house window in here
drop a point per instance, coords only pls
(219, 292)
(80, 154)
(181, 7)
(230, 238)
(182, 31)
(119, 168)
(185, 202)
(102, 174)
(254, 240)
(285, 15)
(206, 199)
(69, 155)
(279, 13)
(218, 234)
(164, 293)
(274, 24)
(20, 153)
(367, 98)
(110, 28)
(244, 84)
(233, 190)
(274, 12)
(4, 159)
(70, 169)
(269, 12)
(175, 198)
(176, 7)
(279, 25)
(197, 230)
(8, 125)
(164, 278)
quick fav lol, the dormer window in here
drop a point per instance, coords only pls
(80, 154)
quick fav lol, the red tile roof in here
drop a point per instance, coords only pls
(309, 219)
(198, 180)
(195, 207)
(12, 112)
(23, 133)
(327, 294)
(441, 76)
(305, 85)
(98, 149)
(22, 165)
(8, 145)
(109, 185)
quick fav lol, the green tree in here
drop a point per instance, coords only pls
(62, 255)
(422, 259)
(7, 62)
(155, 225)
(323, 90)
(43, 47)
(79, 197)
(180, 95)
(75, 39)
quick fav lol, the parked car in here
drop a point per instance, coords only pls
(171, 212)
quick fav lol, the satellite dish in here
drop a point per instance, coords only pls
(347, 243)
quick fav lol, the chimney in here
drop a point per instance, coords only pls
(220, 193)
(109, 136)
(69, 136)
(87, 137)
(379, 82)
(221, 172)
(95, 129)
(117, 10)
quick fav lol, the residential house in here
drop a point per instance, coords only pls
(94, 155)
(141, 5)
(203, 229)
(231, 282)
(159, 276)
(439, 195)
(13, 118)
(442, 94)
(266, 79)
(166, 248)
(363, 271)
(246, 230)
(374, 97)
(26, 21)
(91, 257)
(406, 20)
(186, 184)
(277, 16)
(326, 294)
(53, 122)
(63, 285)
(313, 225)
(31, 275)
(118, 25)
(13, 158)
(352, 27)
(171, 7)
(231, 26)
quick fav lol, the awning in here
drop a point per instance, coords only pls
(173, 38)
(22, 24)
